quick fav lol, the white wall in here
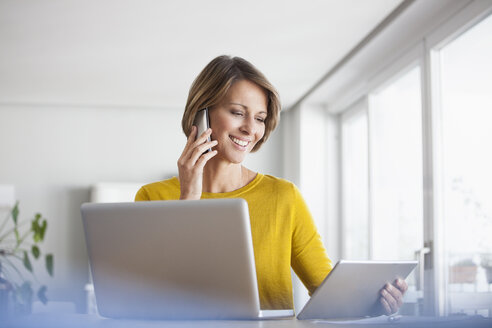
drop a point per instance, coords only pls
(52, 155)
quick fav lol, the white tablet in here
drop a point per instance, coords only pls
(352, 288)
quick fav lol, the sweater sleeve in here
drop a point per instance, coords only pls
(142, 195)
(308, 259)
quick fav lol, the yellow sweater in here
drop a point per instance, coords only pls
(283, 232)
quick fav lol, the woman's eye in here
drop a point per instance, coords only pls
(237, 113)
(261, 119)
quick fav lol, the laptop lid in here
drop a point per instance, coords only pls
(172, 259)
(352, 288)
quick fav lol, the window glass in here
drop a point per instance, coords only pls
(466, 103)
(396, 169)
(396, 174)
(355, 186)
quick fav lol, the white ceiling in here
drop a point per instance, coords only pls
(147, 53)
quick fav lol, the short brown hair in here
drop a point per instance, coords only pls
(213, 83)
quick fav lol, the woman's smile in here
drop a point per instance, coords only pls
(240, 142)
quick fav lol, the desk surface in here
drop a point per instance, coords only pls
(81, 320)
(88, 321)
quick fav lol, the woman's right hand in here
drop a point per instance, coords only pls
(192, 161)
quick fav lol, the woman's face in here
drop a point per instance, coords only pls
(238, 122)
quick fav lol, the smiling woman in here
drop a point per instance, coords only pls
(243, 111)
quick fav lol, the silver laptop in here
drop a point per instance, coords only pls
(173, 260)
(351, 289)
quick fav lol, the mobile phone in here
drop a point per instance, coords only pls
(202, 122)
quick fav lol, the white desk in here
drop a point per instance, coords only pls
(92, 321)
(89, 321)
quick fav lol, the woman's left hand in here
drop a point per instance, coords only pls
(392, 296)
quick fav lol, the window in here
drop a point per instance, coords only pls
(393, 229)
(466, 118)
(355, 223)
(386, 210)
(395, 128)
(396, 169)
(382, 184)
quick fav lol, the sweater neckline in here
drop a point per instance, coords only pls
(253, 183)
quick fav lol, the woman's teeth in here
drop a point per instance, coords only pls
(240, 142)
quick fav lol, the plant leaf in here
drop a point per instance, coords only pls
(35, 228)
(39, 230)
(36, 237)
(15, 212)
(42, 294)
(49, 264)
(17, 236)
(27, 262)
(35, 251)
(43, 229)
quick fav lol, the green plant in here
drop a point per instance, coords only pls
(17, 249)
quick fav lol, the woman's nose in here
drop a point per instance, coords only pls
(248, 126)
